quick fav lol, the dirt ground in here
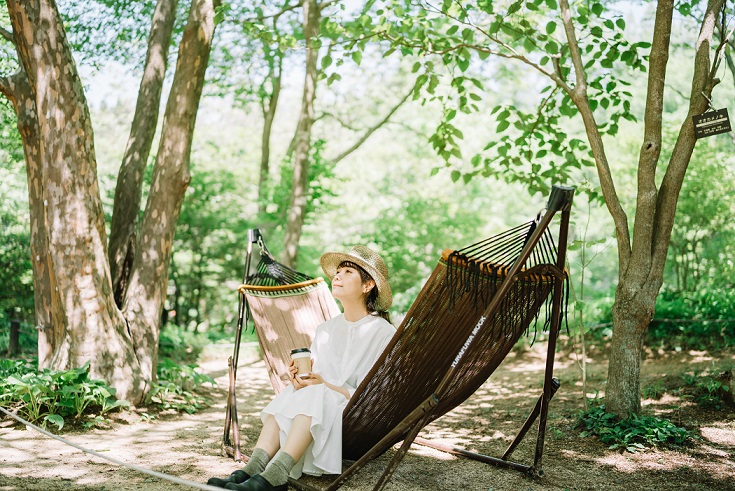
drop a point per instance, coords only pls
(188, 446)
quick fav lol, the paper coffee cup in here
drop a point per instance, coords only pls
(302, 360)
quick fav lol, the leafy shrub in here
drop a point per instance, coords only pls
(177, 343)
(704, 321)
(178, 387)
(632, 434)
(709, 390)
(54, 397)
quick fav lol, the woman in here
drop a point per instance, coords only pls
(302, 426)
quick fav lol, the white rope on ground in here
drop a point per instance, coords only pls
(150, 472)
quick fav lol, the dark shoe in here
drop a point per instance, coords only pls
(236, 477)
(256, 483)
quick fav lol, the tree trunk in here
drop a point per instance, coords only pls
(632, 313)
(299, 188)
(641, 274)
(268, 106)
(128, 191)
(13, 341)
(18, 91)
(66, 213)
(149, 280)
(86, 324)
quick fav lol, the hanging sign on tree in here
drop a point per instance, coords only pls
(711, 122)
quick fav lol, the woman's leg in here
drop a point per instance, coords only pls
(269, 439)
(299, 438)
(265, 448)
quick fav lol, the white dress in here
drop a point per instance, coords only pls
(343, 354)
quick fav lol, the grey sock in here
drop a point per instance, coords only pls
(257, 463)
(278, 469)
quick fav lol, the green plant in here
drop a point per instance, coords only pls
(654, 391)
(709, 390)
(632, 434)
(177, 387)
(180, 344)
(54, 397)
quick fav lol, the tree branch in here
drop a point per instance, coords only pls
(579, 97)
(372, 130)
(702, 85)
(8, 35)
(650, 151)
(6, 88)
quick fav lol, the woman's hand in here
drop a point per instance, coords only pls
(306, 380)
(311, 379)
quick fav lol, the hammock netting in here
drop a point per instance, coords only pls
(437, 327)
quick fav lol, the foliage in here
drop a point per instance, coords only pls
(710, 389)
(209, 249)
(703, 236)
(16, 274)
(532, 143)
(179, 387)
(55, 397)
(180, 344)
(633, 434)
(701, 319)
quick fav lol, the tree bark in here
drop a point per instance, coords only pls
(299, 187)
(268, 105)
(13, 341)
(18, 91)
(641, 280)
(86, 325)
(149, 280)
(126, 207)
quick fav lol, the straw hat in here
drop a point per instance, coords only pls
(370, 261)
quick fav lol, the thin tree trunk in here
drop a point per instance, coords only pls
(149, 280)
(87, 325)
(268, 106)
(18, 91)
(299, 188)
(130, 177)
(13, 341)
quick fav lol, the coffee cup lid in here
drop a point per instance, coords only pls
(300, 350)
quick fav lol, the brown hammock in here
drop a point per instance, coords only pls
(476, 305)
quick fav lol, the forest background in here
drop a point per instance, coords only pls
(377, 174)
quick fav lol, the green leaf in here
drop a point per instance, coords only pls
(552, 48)
(357, 56)
(550, 27)
(55, 419)
(503, 126)
(455, 175)
(597, 9)
(620, 23)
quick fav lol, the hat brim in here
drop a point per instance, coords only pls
(330, 261)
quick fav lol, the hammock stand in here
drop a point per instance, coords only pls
(450, 343)
(286, 307)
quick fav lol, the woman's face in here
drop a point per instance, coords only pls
(347, 285)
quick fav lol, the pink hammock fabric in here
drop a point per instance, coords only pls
(285, 318)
